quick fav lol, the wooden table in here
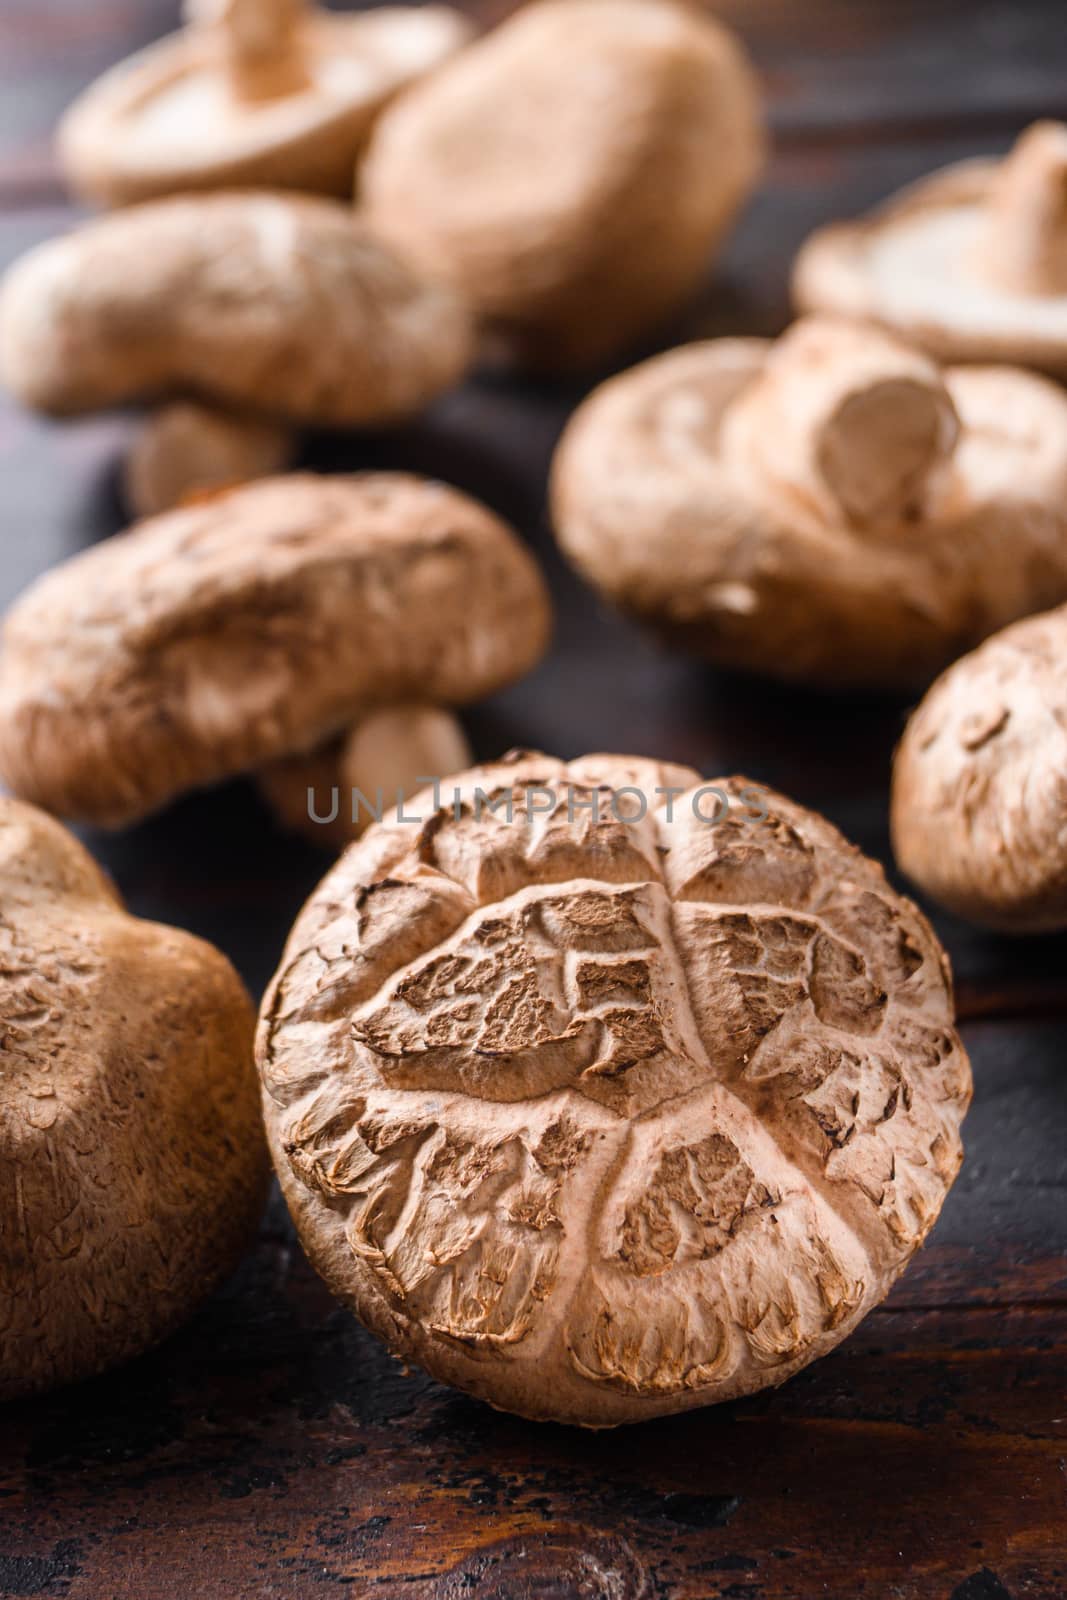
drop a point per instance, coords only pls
(272, 1448)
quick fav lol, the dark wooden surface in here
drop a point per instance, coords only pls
(271, 1448)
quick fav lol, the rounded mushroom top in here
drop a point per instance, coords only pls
(280, 304)
(132, 1166)
(971, 262)
(259, 92)
(833, 507)
(255, 624)
(979, 806)
(572, 173)
(605, 1092)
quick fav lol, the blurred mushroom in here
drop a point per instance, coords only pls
(971, 262)
(134, 1168)
(572, 174)
(274, 93)
(600, 1109)
(833, 508)
(284, 305)
(186, 449)
(980, 782)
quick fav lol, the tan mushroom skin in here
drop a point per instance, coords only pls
(387, 757)
(573, 173)
(257, 624)
(979, 808)
(132, 1163)
(833, 508)
(279, 304)
(261, 93)
(600, 1119)
(970, 262)
(185, 449)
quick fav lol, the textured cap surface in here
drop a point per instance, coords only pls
(173, 118)
(132, 1163)
(185, 449)
(603, 1119)
(212, 639)
(980, 782)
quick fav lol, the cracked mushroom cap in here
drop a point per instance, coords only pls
(282, 304)
(213, 639)
(601, 1119)
(832, 508)
(132, 1163)
(273, 93)
(970, 262)
(979, 808)
(573, 173)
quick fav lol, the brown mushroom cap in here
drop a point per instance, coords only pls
(186, 449)
(331, 795)
(832, 508)
(280, 304)
(216, 638)
(273, 93)
(971, 262)
(132, 1163)
(980, 782)
(572, 173)
(603, 1119)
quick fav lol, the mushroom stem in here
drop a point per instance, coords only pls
(853, 420)
(261, 43)
(185, 449)
(1025, 244)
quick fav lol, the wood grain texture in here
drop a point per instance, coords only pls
(271, 1448)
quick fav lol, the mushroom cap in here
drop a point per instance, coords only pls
(132, 1163)
(210, 640)
(603, 1119)
(979, 811)
(169, 119)
(685, 519)
(920, 264)
(387, 757)
(281, 304)
(572, 173)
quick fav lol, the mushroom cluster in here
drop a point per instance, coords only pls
(593, 1102)
(133, 1167)
(570, 210)
(833, 508)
